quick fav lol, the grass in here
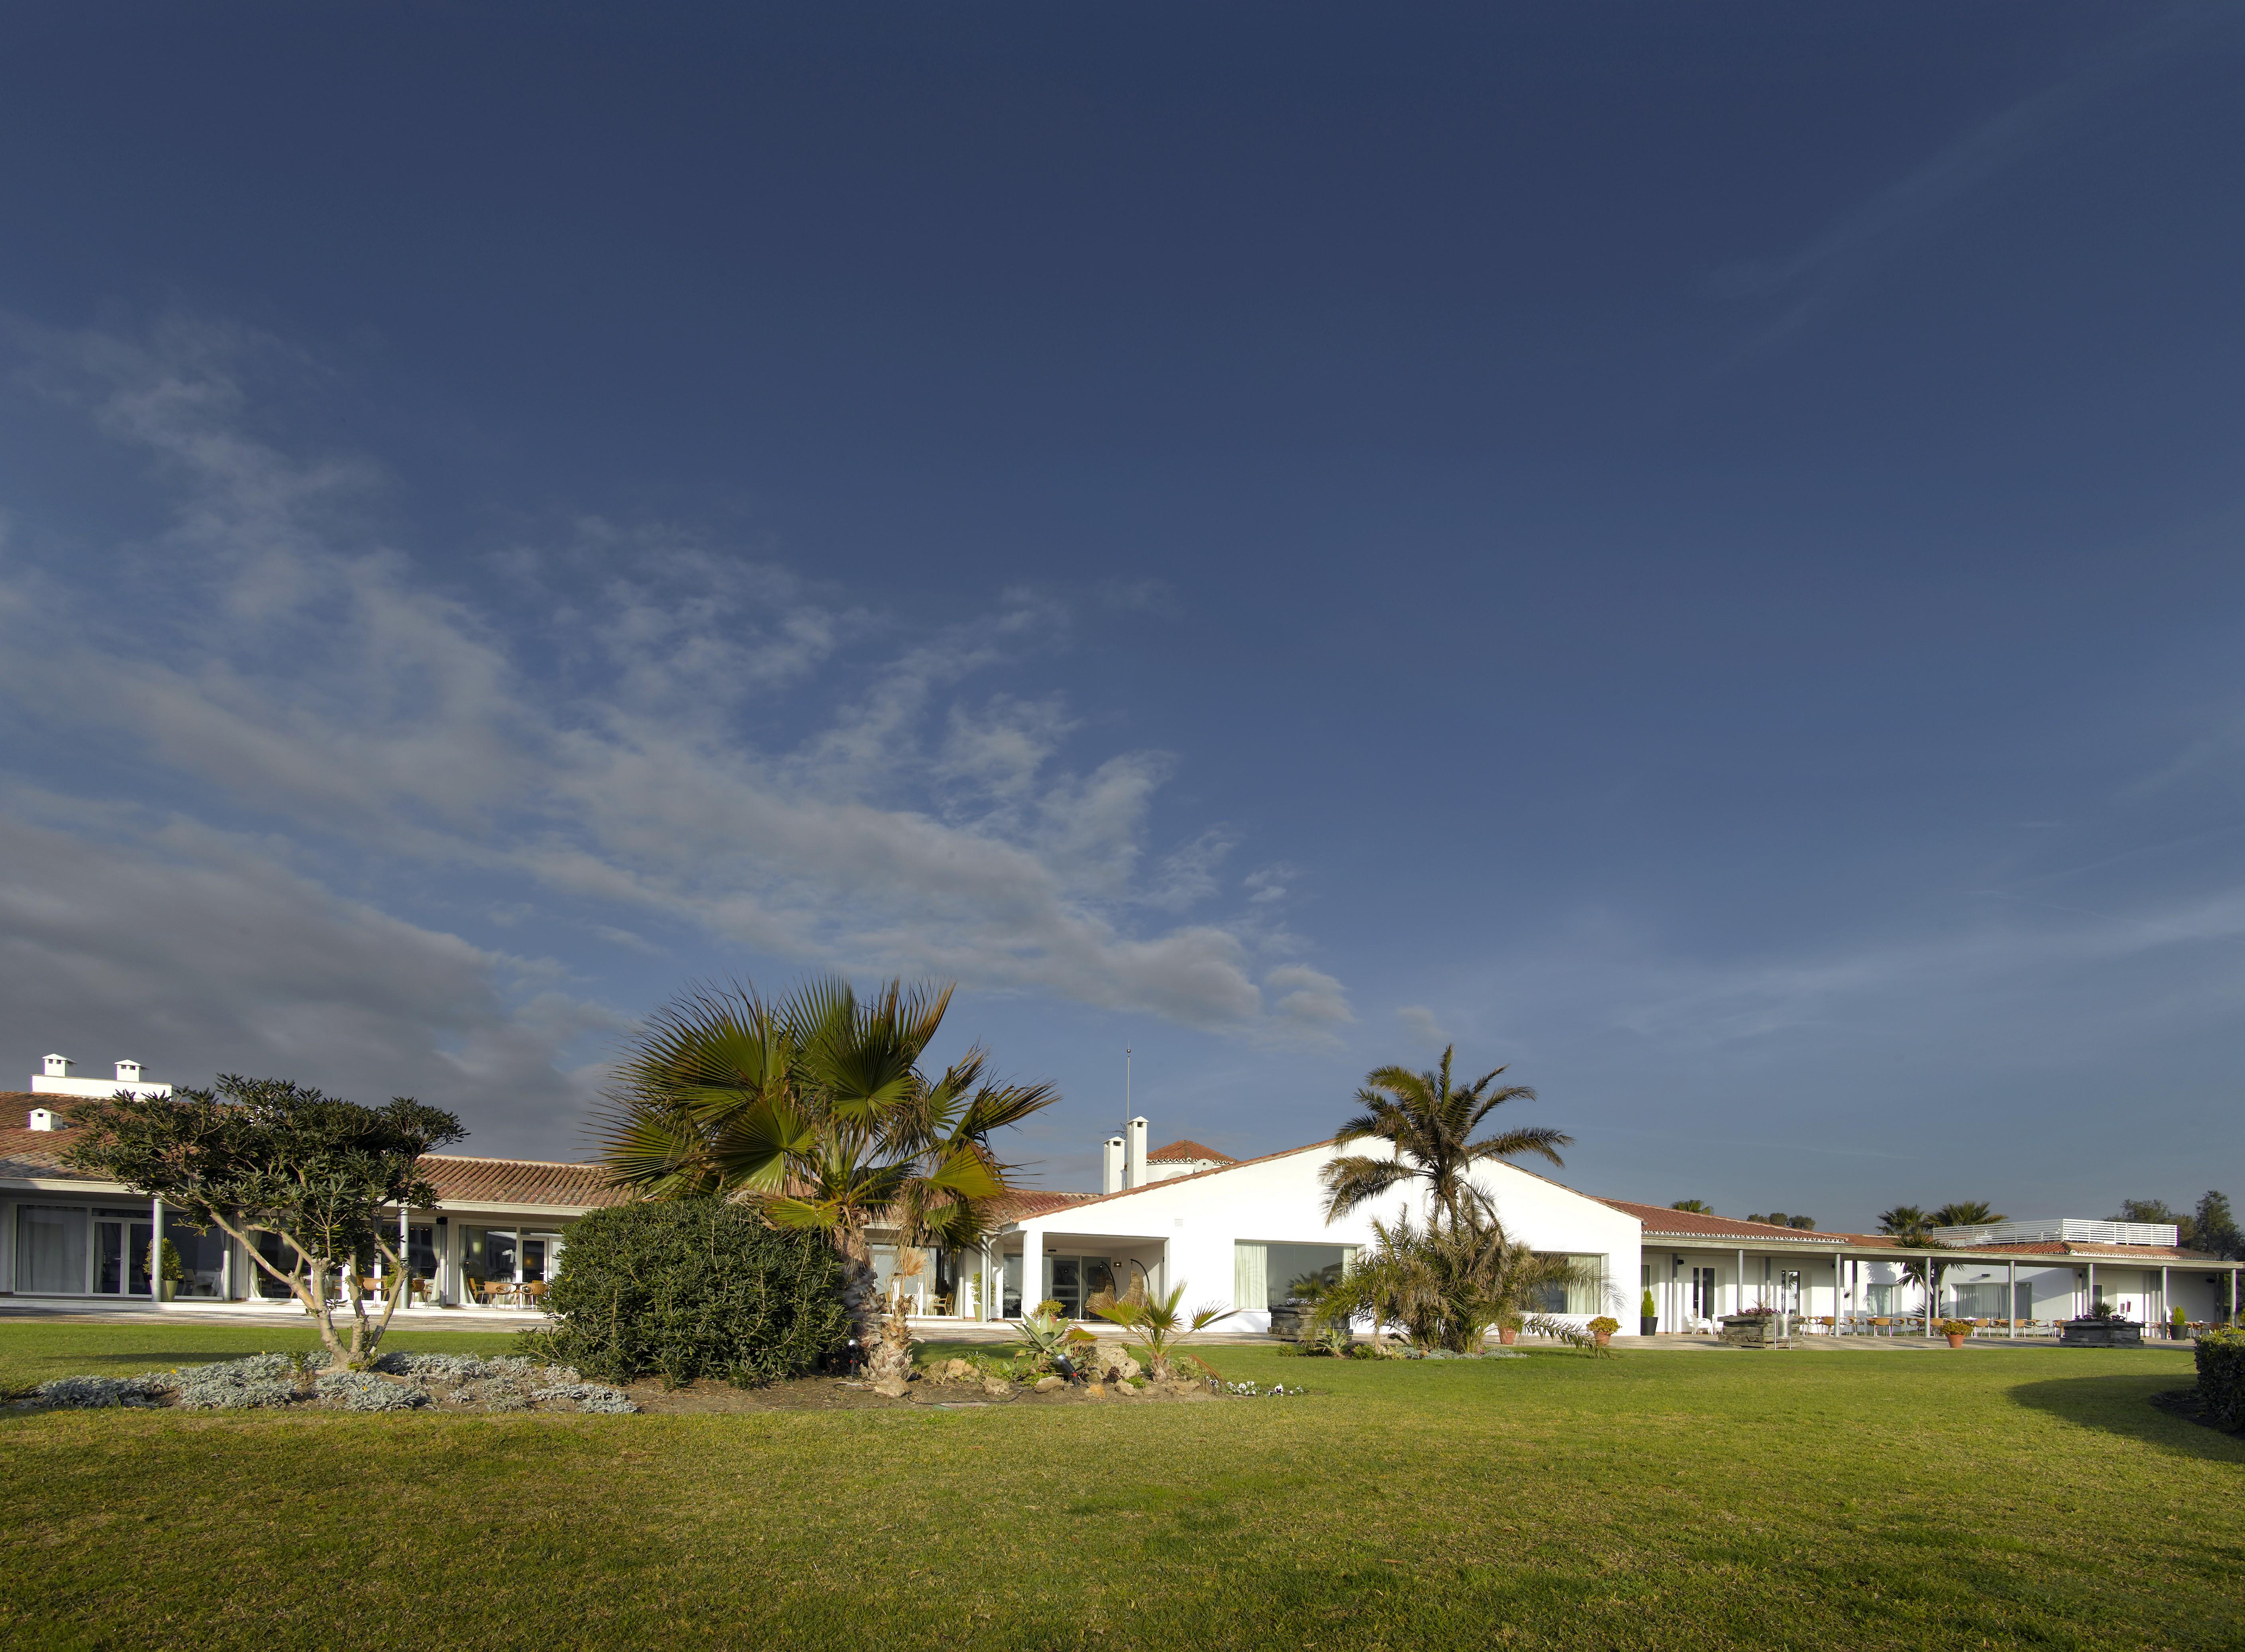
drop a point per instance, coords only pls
(1859, 1499)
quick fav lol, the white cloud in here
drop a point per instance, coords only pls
(1418, 1022)
(601, 744)
(1310, 997)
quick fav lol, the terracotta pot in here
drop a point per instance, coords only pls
(1955, 1338)
(1599, 1337)
(1508, 1335)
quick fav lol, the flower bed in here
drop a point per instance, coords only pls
(397, 1383)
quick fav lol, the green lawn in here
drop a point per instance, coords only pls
(1660, 1499)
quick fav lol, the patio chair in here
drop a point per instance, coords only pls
(1882, 1326)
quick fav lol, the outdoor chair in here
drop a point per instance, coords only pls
(1882, 1326)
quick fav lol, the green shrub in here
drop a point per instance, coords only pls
(693, 1288)
(2221, 1376)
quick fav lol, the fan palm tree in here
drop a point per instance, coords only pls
(818, 1110)
(1430, 1121)
(1160, 1326)
(1967, 1213)
(1445, 1283)
(1910, 1225)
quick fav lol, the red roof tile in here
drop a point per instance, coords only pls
(1692, 1224)
(520, 1182)
(1183, 1152)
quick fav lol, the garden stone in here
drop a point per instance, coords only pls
(1112, 1361)
(893, 1387)
(1045, 1384)
(997, 1387)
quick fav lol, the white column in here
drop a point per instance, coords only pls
(1739, 1296)
(1032, 1270)
(2090, 1307)
(2165, 1319)
(2011, 1301)
(405, 1254)
(155, 1252)
(448, 1264)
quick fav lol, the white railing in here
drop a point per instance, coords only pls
(2042, 1229)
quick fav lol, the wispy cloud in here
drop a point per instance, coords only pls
(602, 737)
(1808, 280)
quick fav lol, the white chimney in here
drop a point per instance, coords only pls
(1110, 1166)
(58, 1067)
(1133, 1154)
(41, 1120)
(128, 1073)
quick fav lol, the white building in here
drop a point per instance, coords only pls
(1235, 1233)
(1240, 1232)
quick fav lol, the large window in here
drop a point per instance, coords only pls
(121, 1254)
(1580, 1294)
(51, 1251)
(1267, 1276)
(202, 1259)
(497, 1262)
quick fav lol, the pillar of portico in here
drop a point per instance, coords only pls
(1032, 1270)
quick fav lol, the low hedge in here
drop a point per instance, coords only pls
(693, 1288)
(2221, 1376)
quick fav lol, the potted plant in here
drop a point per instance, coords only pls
(1648, 1316)
(1957, 1331)
(1508, 1328)
(1603, 1329)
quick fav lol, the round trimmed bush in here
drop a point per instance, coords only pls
(694, 1288)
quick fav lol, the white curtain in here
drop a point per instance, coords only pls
(51, 1251)
(1251, 1275)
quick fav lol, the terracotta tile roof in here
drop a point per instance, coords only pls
(1183, 1152)
(520, 1181)
(28, 1154)
(1030, 1201)
(1692, 1224)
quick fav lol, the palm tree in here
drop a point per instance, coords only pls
(1445, 1283)
(1161, 1325)
(1967, 1213)
(1430, 1121)
(818, 1109)
(1911, 1226)
(1697, 1207)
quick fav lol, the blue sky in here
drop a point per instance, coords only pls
(1692, 551)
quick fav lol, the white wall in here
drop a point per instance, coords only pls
(1281, 1200)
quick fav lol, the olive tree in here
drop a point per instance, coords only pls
(252, 1154)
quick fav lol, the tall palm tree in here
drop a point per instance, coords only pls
(818, 1110)
(1430, 1122)
(1911, 1226)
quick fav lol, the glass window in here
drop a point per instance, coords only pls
(121, 1254)
(51, 1251)
(1067, 1285)
(1009, 1290)
(278, 1252)
(1579, 1295)
(1292, 1271)
(488, 1256)
(201, 1257)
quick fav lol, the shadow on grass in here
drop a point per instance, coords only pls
(2123, 1405)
